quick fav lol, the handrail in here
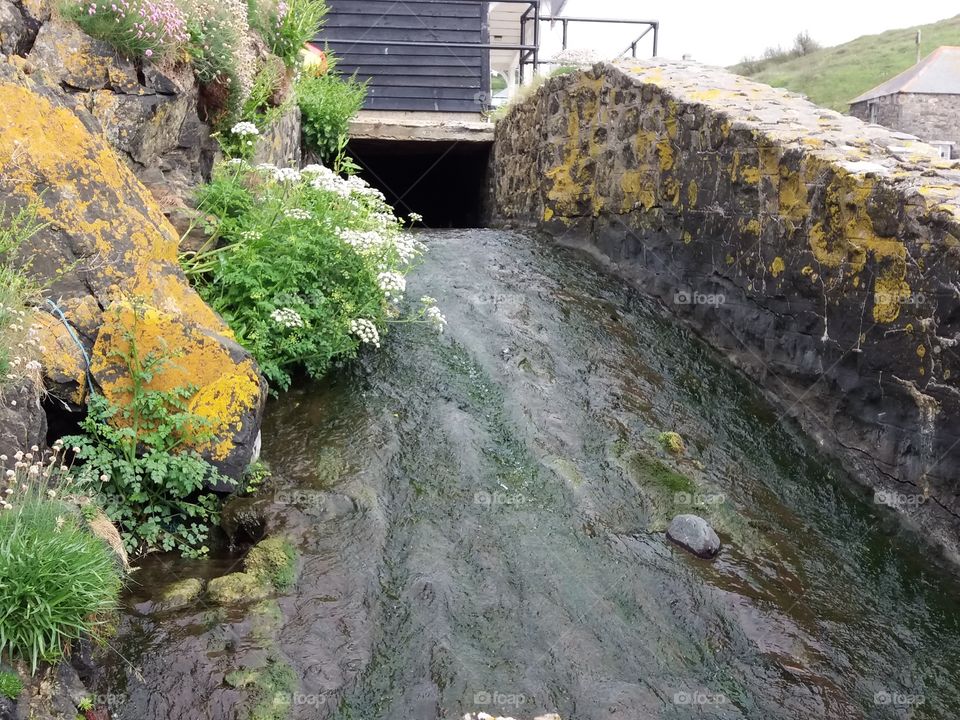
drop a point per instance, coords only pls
(653, 25)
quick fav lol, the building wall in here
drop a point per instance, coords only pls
(929, 117)
(443, 79)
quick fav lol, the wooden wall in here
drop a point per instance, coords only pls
(412, 78)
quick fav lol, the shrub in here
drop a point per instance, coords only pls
(136, 28)
(327, 104)
(57, 580)
(304, 267)
(133, 459)
(287, 25)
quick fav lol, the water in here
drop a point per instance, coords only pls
(480, 520)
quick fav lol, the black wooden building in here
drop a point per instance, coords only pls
(363, 34)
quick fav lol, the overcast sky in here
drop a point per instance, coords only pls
(722, 33)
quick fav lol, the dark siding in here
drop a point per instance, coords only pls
(412, 78)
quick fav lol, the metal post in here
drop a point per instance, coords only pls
(633, 49)
(523, 41)
(536, 36)
(564, 34)
(656, 37)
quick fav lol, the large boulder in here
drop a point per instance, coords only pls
(106, 245)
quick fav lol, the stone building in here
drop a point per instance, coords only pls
(923, 101)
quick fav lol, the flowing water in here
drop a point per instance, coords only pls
(480, 519)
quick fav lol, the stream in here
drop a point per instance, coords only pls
(480, 520)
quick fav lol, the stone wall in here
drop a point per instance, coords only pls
(820, 254)
(929, 117)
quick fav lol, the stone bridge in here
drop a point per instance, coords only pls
(819, 253)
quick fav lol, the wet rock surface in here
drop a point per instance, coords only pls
(481, 531)
(694, 534)
(818, 252)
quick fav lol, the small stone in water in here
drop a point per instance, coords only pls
(694, 534)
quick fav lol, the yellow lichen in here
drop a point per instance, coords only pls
(777, 266)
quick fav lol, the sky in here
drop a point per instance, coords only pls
(724, 32)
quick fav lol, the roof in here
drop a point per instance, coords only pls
(937, 74)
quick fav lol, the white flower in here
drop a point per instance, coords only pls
(286, 175)
(435, 318)
(365, 331)
(245, 129)
(298, 214)
(415, 217)
(393, 285)
(286, 317)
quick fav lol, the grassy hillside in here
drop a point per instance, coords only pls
(834, 76)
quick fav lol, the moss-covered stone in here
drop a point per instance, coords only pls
(671, 442)
(180, 593)
(270, 688)
(273, 560)
(238, 587)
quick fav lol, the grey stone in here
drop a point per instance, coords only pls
(692, 533)
(13, 29)
(23, 423)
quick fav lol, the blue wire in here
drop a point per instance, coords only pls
(69, 327)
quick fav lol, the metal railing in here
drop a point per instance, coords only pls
(529, 51)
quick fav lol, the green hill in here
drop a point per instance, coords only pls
(833, 76)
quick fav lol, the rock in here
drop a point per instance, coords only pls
(273, 560)
(13, 29)
(238, 587)
(246, 518)
(180, 594)
(694, 534)
(280, 143)
(71, 58)
(23, 423)
(106, 245)
(229, 391)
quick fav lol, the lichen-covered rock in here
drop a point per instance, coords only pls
(280, 144)
(23, 423)
(229, 389)
(238, 587)
(107, 243)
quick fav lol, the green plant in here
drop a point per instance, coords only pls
(304, 267)
(136, 28)
(85, 704)
(19, 341)
(135, 458)
(10, 685)
(56, 579)
(287, 25)
(327, 103)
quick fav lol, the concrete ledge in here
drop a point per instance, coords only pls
(421, 127)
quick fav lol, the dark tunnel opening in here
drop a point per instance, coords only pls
(444, 181)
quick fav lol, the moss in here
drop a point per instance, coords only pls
(271, 688)
(654, 472)
(10, 685)
(180, 593)
(238, 587)
(274, 561)
(671, 442)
